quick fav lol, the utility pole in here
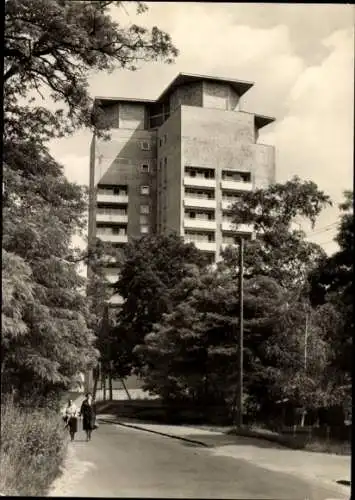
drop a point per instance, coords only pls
(304, 412)
(305, 343)
(241, 330)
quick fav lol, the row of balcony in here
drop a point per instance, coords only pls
(192, 202)
(207, 246)
(231, 185)
(211, 225)
(188, 181)
(112, 198)
(189, 201)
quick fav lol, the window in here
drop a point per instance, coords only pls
(120, 190)
(144, 209)
(143, 219)
(236, 176)
(165, 161)
(145, 145)
(144, 190)
(160, 142)
(165, 138)
(119, 230)
(145, 167)
(144, 229)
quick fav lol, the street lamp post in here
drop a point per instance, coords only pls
(241, 330)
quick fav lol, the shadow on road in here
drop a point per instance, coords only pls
(196, 440)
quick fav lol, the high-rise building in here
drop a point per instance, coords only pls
(177, 164)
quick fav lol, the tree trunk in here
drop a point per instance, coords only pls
(125, 388)
(110, 386)
(104, 388)
(96, 381)
(303, 417)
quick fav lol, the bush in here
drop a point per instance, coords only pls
(33, 444)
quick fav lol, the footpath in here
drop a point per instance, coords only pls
(324, 468)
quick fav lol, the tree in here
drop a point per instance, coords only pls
(331, 286)
(193, 352)
(279, 251)
(52, 45)
(47, 339)
(153, 267)
(299, 358)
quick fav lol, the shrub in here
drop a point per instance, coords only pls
(33, 443)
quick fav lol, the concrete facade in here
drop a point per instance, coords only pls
(177, 163)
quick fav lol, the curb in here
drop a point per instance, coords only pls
(172, 436)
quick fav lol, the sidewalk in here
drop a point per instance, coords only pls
(321, 467)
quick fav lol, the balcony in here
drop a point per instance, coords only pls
(112, 218)
(200, 182)
(192, 202)
(112, 198)
(197, 223)
(113, 238)
(229, 226)
(207, 246)
(231, 185)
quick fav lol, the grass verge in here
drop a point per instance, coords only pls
(33, 446)
(297, 442)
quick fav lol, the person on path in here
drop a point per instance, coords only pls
(87, 411)
(71, 419)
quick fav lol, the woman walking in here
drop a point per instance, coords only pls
(71, 414)
(87, 411)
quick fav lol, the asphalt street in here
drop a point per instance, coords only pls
(124, 462)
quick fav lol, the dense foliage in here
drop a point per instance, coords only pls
(31, 451)
(46, 340)
(280, 250)
(331, 286)
(178, 327)
(154, 266)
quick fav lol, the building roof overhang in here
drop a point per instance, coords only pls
(239, 86)
(262, 120)
(103, 100)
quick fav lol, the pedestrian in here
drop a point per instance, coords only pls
(71, 419)
(87, 411)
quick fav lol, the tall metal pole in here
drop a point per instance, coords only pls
(241, 329)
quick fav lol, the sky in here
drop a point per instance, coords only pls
(301, 58)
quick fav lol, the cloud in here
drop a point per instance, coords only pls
(301, 59)
(76, 167)
(314, 140)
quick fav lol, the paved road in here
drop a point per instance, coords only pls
(123, 462)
